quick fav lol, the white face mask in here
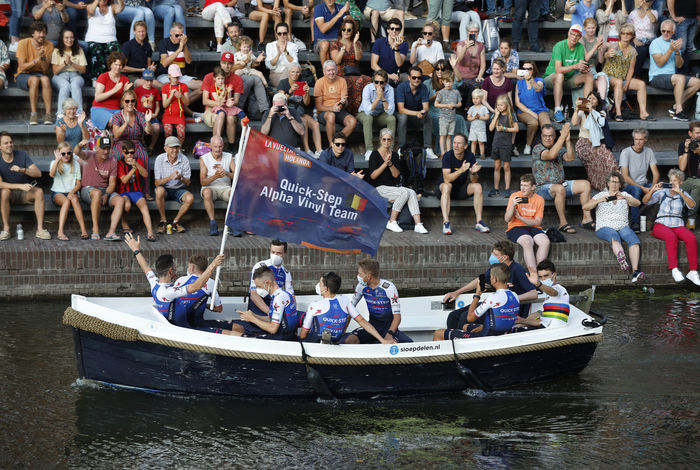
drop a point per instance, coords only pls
(276, 259)
(262, 292)
(318, 288)
(548, 282)
(360, 280)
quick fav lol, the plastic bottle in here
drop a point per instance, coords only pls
(315, 115)
(20, 232)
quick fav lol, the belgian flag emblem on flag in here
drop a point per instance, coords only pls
(356, 202)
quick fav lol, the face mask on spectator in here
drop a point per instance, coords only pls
(548, 282)
(318, 288)
(493, 259)
(276, 259)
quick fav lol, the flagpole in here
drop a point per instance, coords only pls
(239, 162)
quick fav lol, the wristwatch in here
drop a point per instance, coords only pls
(136, 252)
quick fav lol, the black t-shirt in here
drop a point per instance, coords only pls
(22, 160)
(386, 178)
(452, 163)
(692, 168)
(294, 101)
(167, 47)
(281, 128)
(686, 8)
(137, 55)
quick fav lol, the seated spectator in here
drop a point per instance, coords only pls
(378, 107)
(176, 98)
(4, 64)
(54, 16)
(567, 69)
(282, 122)
(376, 9)
(619, 64)
(101, 36)
(635, 163)
(233, 32)
(299, 97)
(138, 53)
(389, 53)
(609, 20)
(529, 101)
(457, 165)
(132, 173)
(172, 176)
(247, 60)
(217, 169)
(548, 168)
(169, 12)
(65, 171)
(440, 12)
(301, 9)
(427, 50)
(280, 55)
(217, 11)
(384, 174)
(328, 16)
(462, 12)
(612, 223)
(510, 58)
(346, 51)
(327, 319)
(581, 10)
(264, 11)
(434, 85)
(70, 127)
(593, 44)
(644, 18)
(18, 175)
(174, 50)
(688, 162)
(666, 58)
(139, 11)
(471, 61)
(339, 156)
(68, 63)
(221, 93)
(331, 97)
(33, 67)
(597, 158)
(148, 98)
(524, 215)
(556, 307)
(109, 88)
(412, 105)
(669, 224)
(99, 185)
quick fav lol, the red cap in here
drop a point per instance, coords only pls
(227, 57)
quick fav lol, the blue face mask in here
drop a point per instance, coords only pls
(361, 281)
(493, 259)
(548, 282)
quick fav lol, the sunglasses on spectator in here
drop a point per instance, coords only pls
(129, 101)
(394, 28)
(179, 35)
(281, 33)
(528, 68)
(379, 82)
(129, 152)
(441, 69)
(339, 144)
(67, 153)
(427, 33)
(347, 30)
(415, 77)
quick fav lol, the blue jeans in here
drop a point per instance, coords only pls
(133, 14)
(169, 11)
(507, 5)
(636, 192)
(625, 234)
(533, 21)
(686, 31)
(68, 83)
(100, 116)
(73, 17)
(18, 7)
(464, 18)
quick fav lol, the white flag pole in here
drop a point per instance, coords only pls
(239, 162)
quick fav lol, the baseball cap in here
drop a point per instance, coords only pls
(172, 141)
(174, 70)
(227, 57)
(104, 142)
(148, 74)
(576, 28)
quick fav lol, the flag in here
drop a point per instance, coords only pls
(283, 193)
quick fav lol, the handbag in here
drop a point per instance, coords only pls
(350, 70)
(425, 67)
(490, 34)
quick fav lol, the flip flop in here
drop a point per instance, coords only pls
(95, 236)
(648, 118)
(588, 226)
(150, 239)
(112, 238)
(566, 228)
(85, 237)
(619, 118)
(63, 238)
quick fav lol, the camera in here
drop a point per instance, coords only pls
(611, 198)
(693, 145)
(280, 109)
(524, 200)
(666, 185)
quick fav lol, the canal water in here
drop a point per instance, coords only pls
(635, 406)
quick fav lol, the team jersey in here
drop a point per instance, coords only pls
(504, 305)
(283, 311)
(329, 315)
(382, 302)
(555, 309)
(164, 293)
(282, 276)
(135, 183)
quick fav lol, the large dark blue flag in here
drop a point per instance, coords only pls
(285, 194)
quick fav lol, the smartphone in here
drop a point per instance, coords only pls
(300, 88)
(611, 198)
(522, 73)
(472, 37)
(666, 185)
(582, 105)
(524, 200)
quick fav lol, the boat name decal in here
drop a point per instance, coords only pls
(394, 350)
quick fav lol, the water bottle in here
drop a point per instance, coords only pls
(315, 115)
(643, 223)
(20, 232)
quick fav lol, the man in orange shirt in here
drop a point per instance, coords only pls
(33, 65)
(524, 216)
(331, 96)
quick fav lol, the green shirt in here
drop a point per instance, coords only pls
(566, 56)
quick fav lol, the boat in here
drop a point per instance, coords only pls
(125, 342)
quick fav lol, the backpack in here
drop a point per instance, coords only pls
(413, 166)
(489, 32)
(697, 108)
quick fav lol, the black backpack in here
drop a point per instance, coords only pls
(413, 166)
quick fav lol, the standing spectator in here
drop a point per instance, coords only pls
(610, 21)
(412, 103)
(688, 162)
(669, 224)
(65, 171)
(685, 16)
(524, 217)
(172, 174)
(581, 10)
(384, 175)
(4, 64)
(427, 50)
(471, 61)
(18, 7)
(478, 115)
(54, 16)
(612, 223)
(529, 100)
(457, 165)
(148, 99)
(567, 69)
(169, 12)
(376, 9)
(282, 122)
(69, 63)
(389, 53)
(441, 11)
(280, 55)
(635, 163)
(264, 11)
(175, 99)
(216, 11)
(328, 17)
(331, 97)
(346, 51)
(505, 128)
(101, 36)
(138, 53)
(533, 24)
(510, 58)
(644, 19)
(377, 107)
(18, 185)
(139, 11)
(548, 168)
(132, 172)
(300, 9)
(299, 98)
(108, 91)
(217, 169)
(174, 50)
(246, 60)
(70, 126)
(448, 100)
(221, 99)
(339, 156)
(435, 85)
(33, 66)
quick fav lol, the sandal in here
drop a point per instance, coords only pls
(588, 225)
(85, 236)
(566, 228)
(151, 238)
(619, 118)
(126, 230)
(649, 117)
(112, 238)
(622, 260)
(95, 236)
(63, 238)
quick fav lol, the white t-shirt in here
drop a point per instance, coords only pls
(208, 161)
(432, 54)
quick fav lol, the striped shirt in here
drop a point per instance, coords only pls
(135, 184)
(555, 309)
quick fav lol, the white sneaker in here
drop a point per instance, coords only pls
(317, 155)
(300, 44)
(367, 154)
(677, 275)
(13, 47)
(527, 150)
(419, 228)
(219, 47)
(393, 226)
(481, 227)
(515, 151)
(430, 155)
(694, 277)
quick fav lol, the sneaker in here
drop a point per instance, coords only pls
(430, 155)
(515, 151)
(677, 275)
(13, 47)
(43, 234)
(177, 226)
(671, 112)
(690, 224)
(419, 228)
(393, 226)
(481, 227)
(4, 235)
(367, 154)
(622, 259)
(300, 44)
(213, 228)
(161, 228)
(536, 48)
(527, 150)
(198, 117)
(494, 193)
(694, 277)
(317, 155)
(237, 234)
(559, 116)
(681, 116)
(638, 276)
(219, 47)
(48, 119)
(635, 226)
(506, 193)
(446, 230)
(406, 16)
(33, 119)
